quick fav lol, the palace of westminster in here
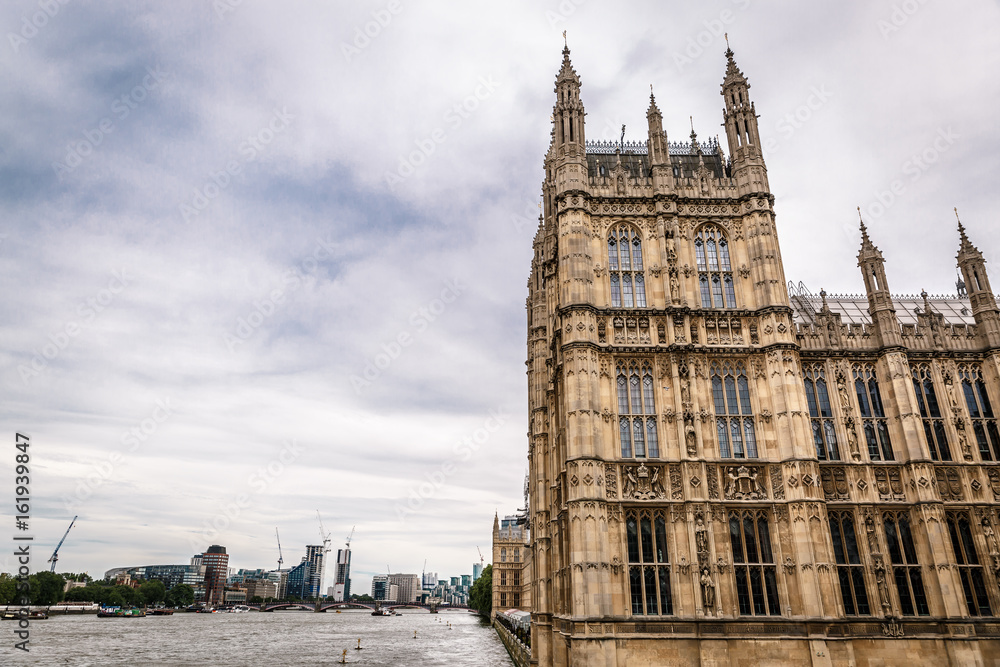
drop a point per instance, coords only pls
(724, 469)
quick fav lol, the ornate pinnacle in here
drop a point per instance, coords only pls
(961, 229)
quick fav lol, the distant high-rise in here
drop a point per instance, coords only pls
(216, 562)
(380, 586)
(477, 571)
(314, 554)
(298, 581)
(342, 586)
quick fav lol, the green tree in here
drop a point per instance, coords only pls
(114, 599)
(153, 592)
(481, 593)
(46, 587)
(181, 595)
(255, 600)
(8, 589)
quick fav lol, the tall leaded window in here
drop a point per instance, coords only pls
(824, 434)
(628, 282)
(715, 273)
(970, 570)
(753, 563)
(872, 413)
(984, 425)
(503, 554)
(850, 571)
(905, 568)
(923, 385)
(733, 413)
(648, 570)
(637, 411)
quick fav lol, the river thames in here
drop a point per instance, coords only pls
(260, 640)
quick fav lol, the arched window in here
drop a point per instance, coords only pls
(978, 401)
(503, 555)
(824, 434)
(517, 555)
(930, 413)
(637, 410)
(628, 279)
(872, 413)
(850, 571)
(733, 412)
(753, 564)
(715, 273)
(649, 571)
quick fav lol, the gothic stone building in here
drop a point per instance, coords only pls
(722, 472)
(511, 558)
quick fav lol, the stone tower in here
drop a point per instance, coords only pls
(716, 460)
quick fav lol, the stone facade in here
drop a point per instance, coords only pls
(723, 472)
(511, 560)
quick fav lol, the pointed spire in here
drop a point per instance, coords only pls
(865, 241)
(927, 305)
(567, 73)
(822, 295)
(733, 73)
(965, 243)
(652, 102)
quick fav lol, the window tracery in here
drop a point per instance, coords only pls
(625, 268)
(715, 273)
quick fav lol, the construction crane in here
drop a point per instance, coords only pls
(54, 558)
(278, 537)
(350, 536)
(325, 536)
(482, 561)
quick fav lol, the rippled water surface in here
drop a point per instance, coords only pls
(260, 640)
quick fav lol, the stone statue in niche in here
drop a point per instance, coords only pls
(692, 441)
(701, 538)
(707, 590)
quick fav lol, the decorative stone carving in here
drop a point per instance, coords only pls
(834, 482)
(683, 566)
(949, 483)
(994, 477)
(676, 487)
(712, 482)
(610, 482)
(742, 483)
(789, 565)
(777, 487)
(642, 482)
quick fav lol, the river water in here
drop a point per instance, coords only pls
(260, 640)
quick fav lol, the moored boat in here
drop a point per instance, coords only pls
(119, 612)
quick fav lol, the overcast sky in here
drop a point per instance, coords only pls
(258, 262)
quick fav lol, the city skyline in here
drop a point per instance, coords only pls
(262, 300)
